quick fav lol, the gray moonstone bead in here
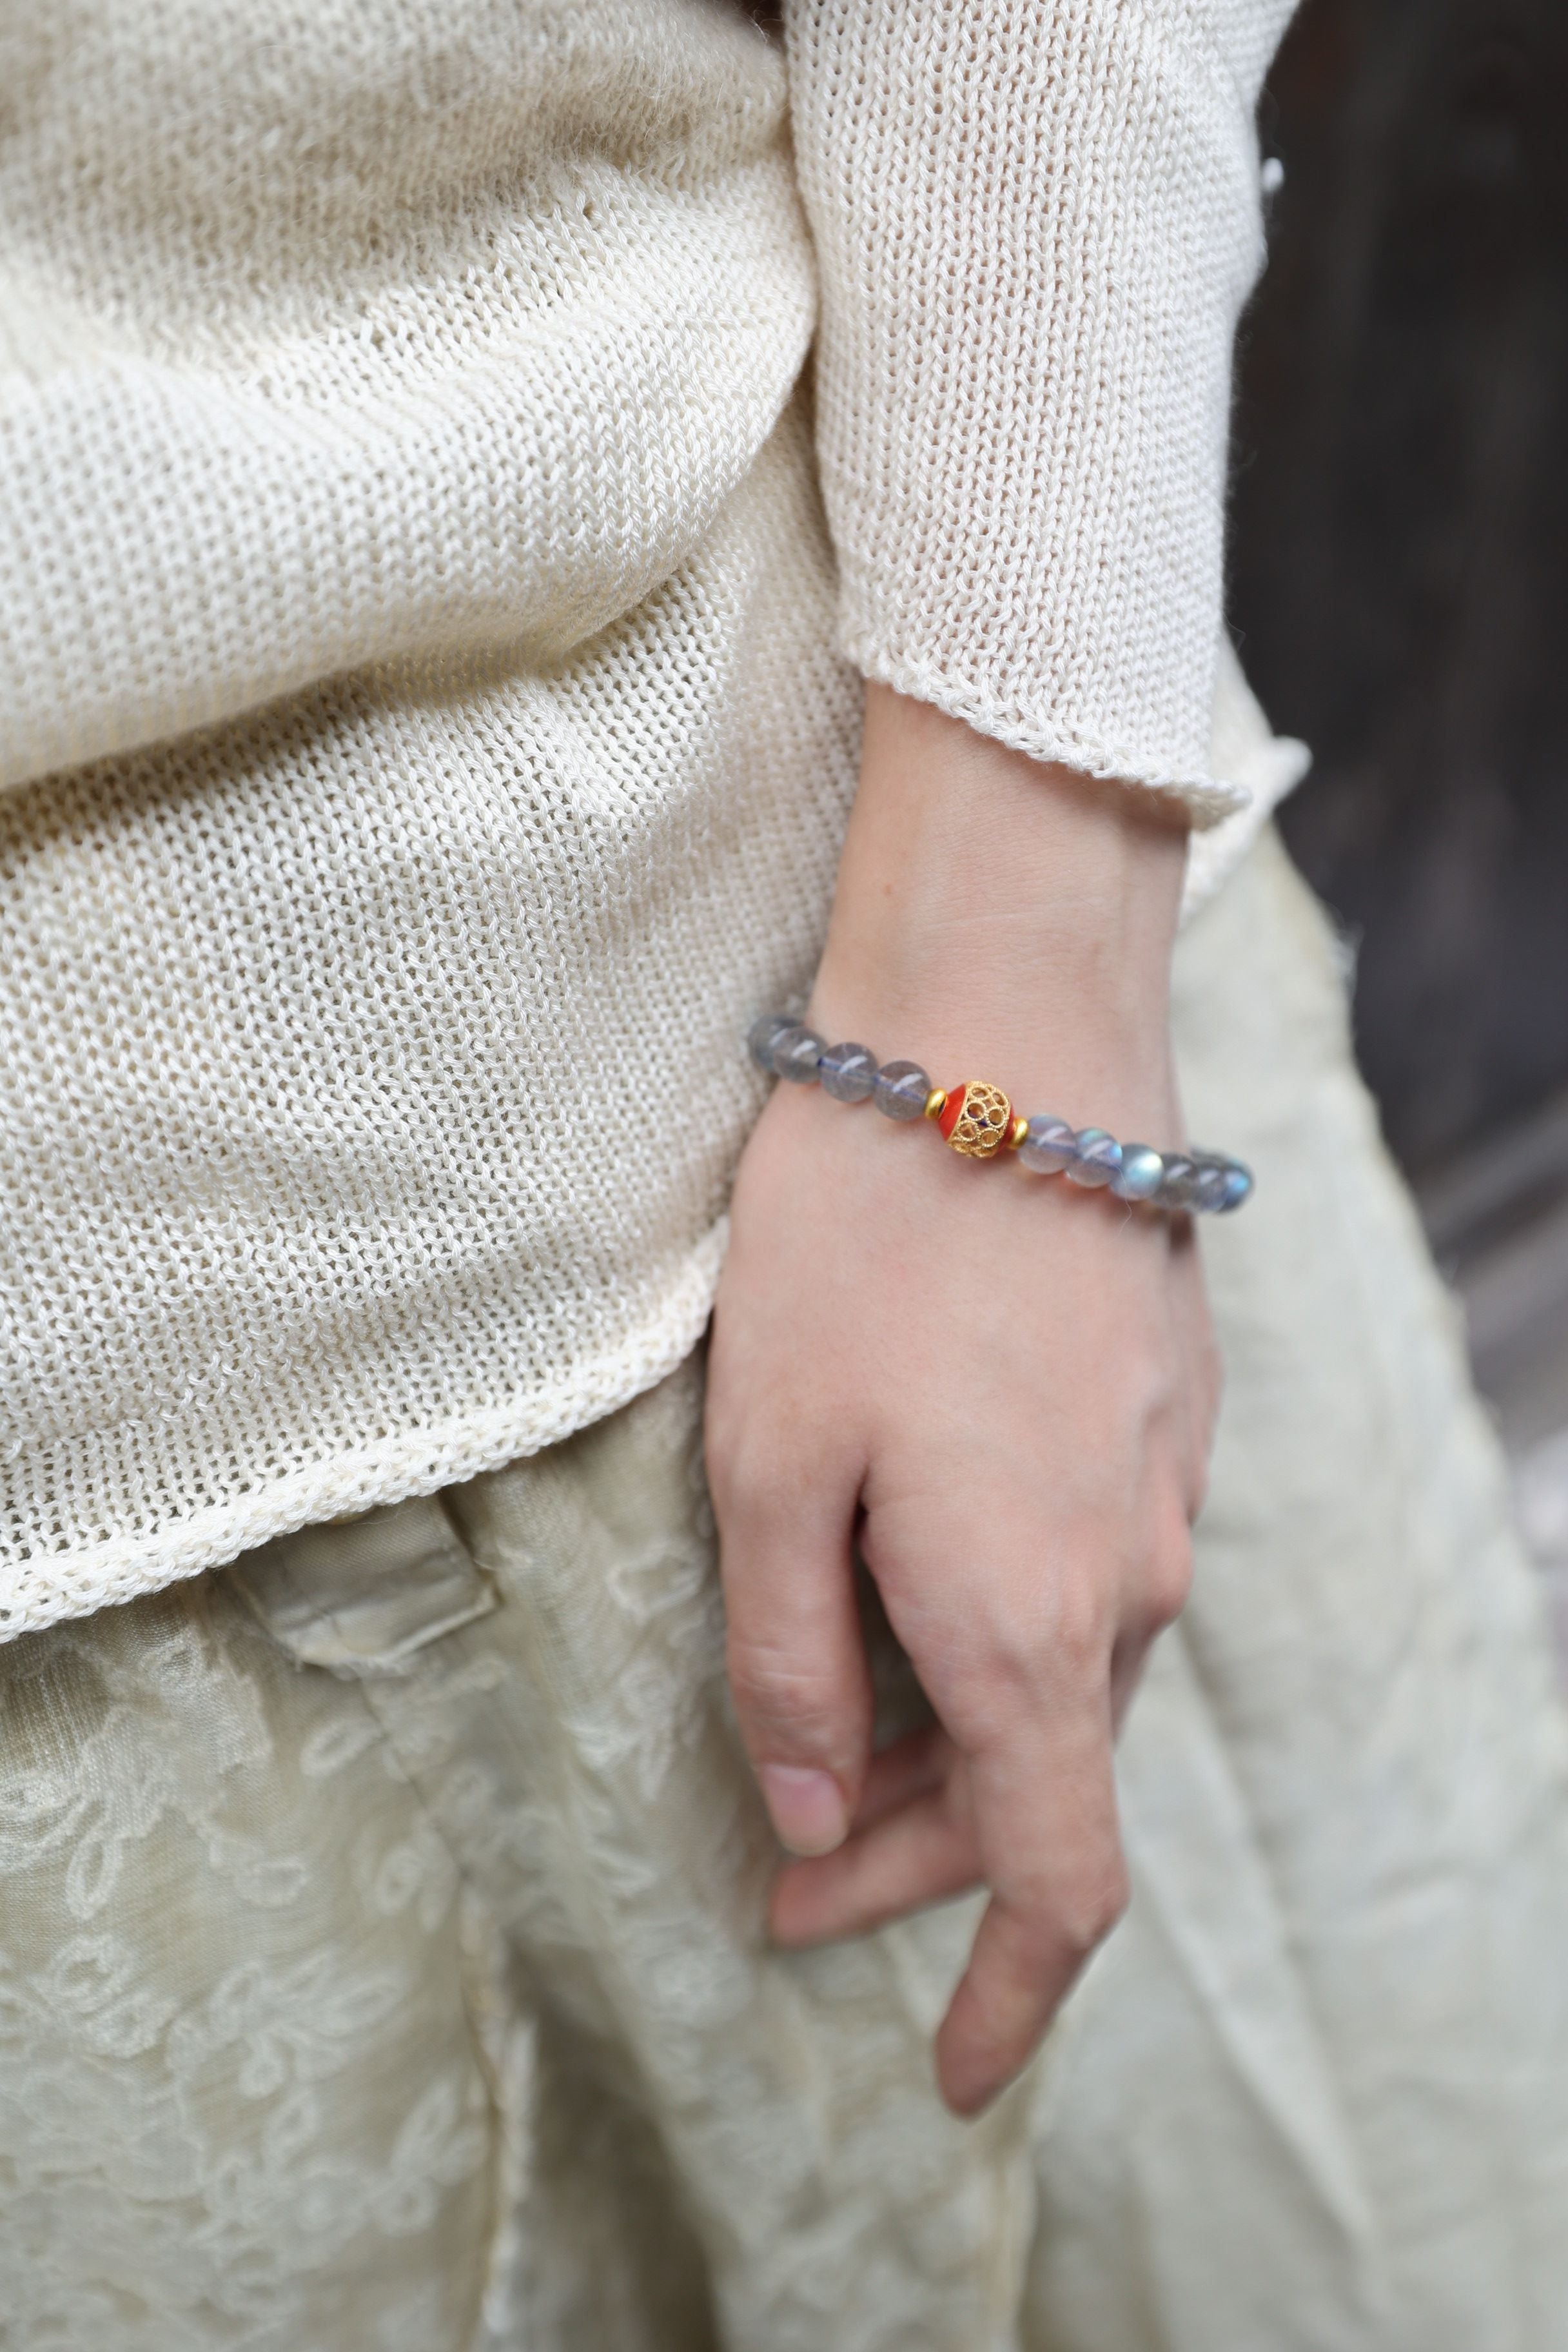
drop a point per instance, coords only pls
(1096, 1158)
(848, 1073)
(1209, 1185)
(1138, 1179)
(1237, 1186)
(796, 1052)
(1048, 1146)
(763, 1035)
(900, 1090)
(1176, 1185)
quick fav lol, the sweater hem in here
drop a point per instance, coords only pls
(1278, 767)
(1206, 799)
(49, 1588)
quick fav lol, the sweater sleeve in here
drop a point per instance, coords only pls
(1035, 225)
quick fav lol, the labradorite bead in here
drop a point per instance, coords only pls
(847, 1073)
(796, 1052)
(1176, 1185)
(1237, 1186)
(1096, 1160)
(900, 1090)
(763, 1035)
(1048, 1146)
(1209, 1184)
(1138, 1179)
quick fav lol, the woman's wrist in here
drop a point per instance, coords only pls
(989, 910)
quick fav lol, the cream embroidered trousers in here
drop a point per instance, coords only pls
(380, 1964)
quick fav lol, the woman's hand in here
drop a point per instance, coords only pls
(998, 1386)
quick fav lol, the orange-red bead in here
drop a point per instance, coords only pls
(976, 1118)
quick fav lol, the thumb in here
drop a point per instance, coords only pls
(796, 1657)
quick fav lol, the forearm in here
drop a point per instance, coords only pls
(997, 916)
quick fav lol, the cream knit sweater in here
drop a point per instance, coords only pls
(422, 655)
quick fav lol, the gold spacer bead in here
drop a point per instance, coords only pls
(936, 1102)
(1017, 1133)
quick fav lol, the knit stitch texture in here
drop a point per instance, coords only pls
(425, 738)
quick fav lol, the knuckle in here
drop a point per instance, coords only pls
(740, 1466)
(1007, 1674)
(1070, 1920)
(759, 1466)
(1096, 1906)
(1079, 1631)
(778, 1692)
(1015, 1659)
(1167, 1580)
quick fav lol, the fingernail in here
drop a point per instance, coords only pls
(807, 1809)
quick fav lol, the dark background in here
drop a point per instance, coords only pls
(1399, 565)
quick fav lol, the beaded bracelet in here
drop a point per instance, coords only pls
(977, 1120)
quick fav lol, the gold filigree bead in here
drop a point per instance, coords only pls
(976, 1120)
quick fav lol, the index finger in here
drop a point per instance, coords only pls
(1044, 1803)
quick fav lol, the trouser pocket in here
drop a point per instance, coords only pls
(364, 1596)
